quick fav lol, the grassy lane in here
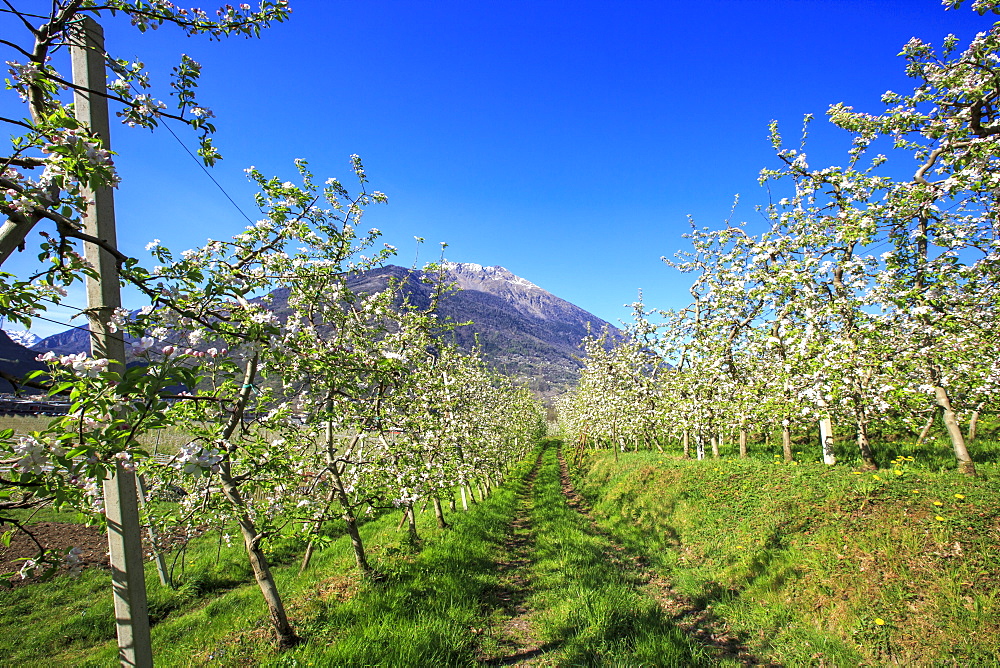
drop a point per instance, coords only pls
(590, 610)
(421, 613)
(521, 579)
(512, 630)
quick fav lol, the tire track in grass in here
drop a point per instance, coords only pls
(699, 623)
(571, 605)
(517, 640)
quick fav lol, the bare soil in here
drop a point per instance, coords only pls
(58, 536)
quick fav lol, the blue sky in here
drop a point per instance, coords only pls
(565, 141)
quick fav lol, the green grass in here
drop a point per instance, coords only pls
(435, 604)
(420, 612)
(934, 454)
(590, 606)
(803, 559)
(424, 610)
(800, 560)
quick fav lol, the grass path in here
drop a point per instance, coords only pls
(568, 597)
(698, 622)
(513, 629)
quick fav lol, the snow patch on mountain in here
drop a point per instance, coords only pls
(22, 337)
(471, 270)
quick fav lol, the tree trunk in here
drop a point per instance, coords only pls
(311, 547)
(307, 557)
(965, 464)
(411, 524)
(258, 562)
(699, 445)
(686, 444)
(927, 428)
(786, 442)
(743, 443)
(350, 523)
(465, 500)
(439, 513)
(826, 434)
(864, 446)
(251, 539)
(715, 447)
(974, 422)
(346, 508)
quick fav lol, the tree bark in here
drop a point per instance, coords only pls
(311, 547)
(686, 444)
(965, 464)
(251, 538)
(258, 562)
(439, 513)
(351, 523)
(974, 423)
(786, 442)
(411, 524)
(864, 446)
(826, 441)
(927, 428)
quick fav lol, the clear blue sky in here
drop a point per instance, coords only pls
(565, 141)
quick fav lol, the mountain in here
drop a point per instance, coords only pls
(22, 337)
(523, 330)
(16, 361)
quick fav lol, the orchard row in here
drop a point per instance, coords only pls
(864, 299)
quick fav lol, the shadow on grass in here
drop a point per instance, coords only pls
(591, 597)
(425, 609)
(514, 659)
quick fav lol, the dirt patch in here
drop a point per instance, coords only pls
(58, 536)
(61, 536)
(697, 621)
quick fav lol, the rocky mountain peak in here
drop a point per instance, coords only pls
(472, 276)
(22, 337)
(521, 294)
